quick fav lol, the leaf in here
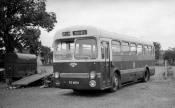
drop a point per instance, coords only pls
(20, 21)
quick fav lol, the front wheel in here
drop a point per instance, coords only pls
(115, 82)
(146, 76)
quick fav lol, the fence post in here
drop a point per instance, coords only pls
(166, 68)
(39, 63)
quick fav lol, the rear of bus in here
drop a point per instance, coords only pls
(76, 63)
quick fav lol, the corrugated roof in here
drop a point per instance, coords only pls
(20, 58)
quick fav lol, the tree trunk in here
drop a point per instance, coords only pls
(8, 43)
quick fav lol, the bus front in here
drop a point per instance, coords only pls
(75, 63)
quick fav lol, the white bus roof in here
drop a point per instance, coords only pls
(96, 32)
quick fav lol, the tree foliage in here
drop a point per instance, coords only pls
(20, 21)
(31, 40)
(157, 50)
(46, 54)
(170, 55)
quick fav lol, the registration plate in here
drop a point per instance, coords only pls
(74, 82)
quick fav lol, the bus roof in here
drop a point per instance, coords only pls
(96, 32)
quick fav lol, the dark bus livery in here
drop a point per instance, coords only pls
(88, 58)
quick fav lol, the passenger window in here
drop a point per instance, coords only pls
(150, 51)
(125, 48)
(116, 49)
(146, 52)
(133, 49)
(153, 50)
(139, 50)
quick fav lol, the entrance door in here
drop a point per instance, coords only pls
(105, 54)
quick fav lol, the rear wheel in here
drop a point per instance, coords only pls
(146, 76)
(116, 82)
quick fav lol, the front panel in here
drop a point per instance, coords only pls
(76, 75)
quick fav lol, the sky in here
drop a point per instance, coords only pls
(152, 20)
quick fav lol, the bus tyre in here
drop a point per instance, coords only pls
(146, 76)
(115, 82)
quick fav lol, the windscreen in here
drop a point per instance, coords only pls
(86, 49)
(68, 49)
(64, 49)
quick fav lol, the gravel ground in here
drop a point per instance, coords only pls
(157, 93)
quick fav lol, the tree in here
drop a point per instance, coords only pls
(31, 41)
(46, 54)
(157, 50)
(2, 53)
(170, 55)
(20, 21)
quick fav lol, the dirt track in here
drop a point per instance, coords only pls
(157, 93)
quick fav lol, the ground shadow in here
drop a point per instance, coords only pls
(88, 93)
(98, 93)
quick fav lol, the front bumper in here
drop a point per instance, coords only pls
(78, 81)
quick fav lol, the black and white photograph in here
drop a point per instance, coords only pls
(87, 53)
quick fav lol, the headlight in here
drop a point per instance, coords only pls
(92, 75)
(92, 83)
(56, 74)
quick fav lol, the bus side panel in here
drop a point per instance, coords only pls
(132, 67)
(124, 65)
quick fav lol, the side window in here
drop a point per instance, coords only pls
(153, 50)
(116, 49)
(102, 51)
(146, 52)
(125, 48)
(150, 50)
(105, 50)
(133, 49)
(139, 50)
